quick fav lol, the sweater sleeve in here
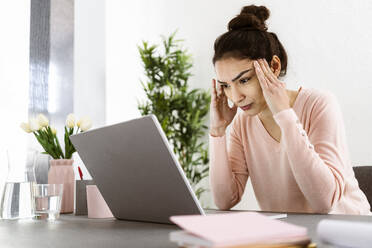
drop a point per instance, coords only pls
(228, 171)
(317, 158)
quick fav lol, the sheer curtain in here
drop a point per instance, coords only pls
(51, 68)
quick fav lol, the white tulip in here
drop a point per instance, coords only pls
(26, 127)
(84, 124)
(43, 120)
(78, 123)
(54, 131)
(34, 125)
(70, 121)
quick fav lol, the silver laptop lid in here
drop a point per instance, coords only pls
(136, 171)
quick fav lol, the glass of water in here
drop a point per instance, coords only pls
(47, 201)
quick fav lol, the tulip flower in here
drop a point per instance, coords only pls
(78, 123)
(54, 131)
(70, 121)
(85, 124)
(26, 127)
(34, 125)
(43, 120)
(47, 135)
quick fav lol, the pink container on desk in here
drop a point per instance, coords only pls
(97, 206)
(62, 172)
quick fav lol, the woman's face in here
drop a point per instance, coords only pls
(240, 84)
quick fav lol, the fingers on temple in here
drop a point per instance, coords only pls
(260, 75)
(269, 73)
(214, 90)
(214, 93)
(222, 92)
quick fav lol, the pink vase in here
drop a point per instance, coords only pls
(61, 171)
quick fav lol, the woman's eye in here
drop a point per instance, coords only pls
(244, 80)
(225, 86)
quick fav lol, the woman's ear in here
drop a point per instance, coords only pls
(275, 65)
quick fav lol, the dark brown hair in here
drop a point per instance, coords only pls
(247, 38)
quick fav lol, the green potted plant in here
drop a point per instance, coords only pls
(181, 111)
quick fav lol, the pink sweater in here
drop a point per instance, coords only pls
(308, 171)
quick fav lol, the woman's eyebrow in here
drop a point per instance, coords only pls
(240, 74)
(237, 77)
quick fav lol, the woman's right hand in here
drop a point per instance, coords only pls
(221, 115)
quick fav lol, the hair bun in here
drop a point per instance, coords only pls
(250, 17)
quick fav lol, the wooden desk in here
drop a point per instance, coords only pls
(77, 231)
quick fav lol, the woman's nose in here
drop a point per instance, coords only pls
(236, 96)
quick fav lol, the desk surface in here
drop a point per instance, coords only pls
(79, 231)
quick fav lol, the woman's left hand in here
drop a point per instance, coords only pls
(273, 90)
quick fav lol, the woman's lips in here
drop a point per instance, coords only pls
(246, 107)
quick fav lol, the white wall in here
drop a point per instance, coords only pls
(89, 64)
(90, 60)
(328, 43)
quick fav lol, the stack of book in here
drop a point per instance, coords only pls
(238, 230)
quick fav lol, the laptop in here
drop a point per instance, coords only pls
(137, 172)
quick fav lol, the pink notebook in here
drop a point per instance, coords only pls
(240, 228)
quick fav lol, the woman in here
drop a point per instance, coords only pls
(290, 143)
